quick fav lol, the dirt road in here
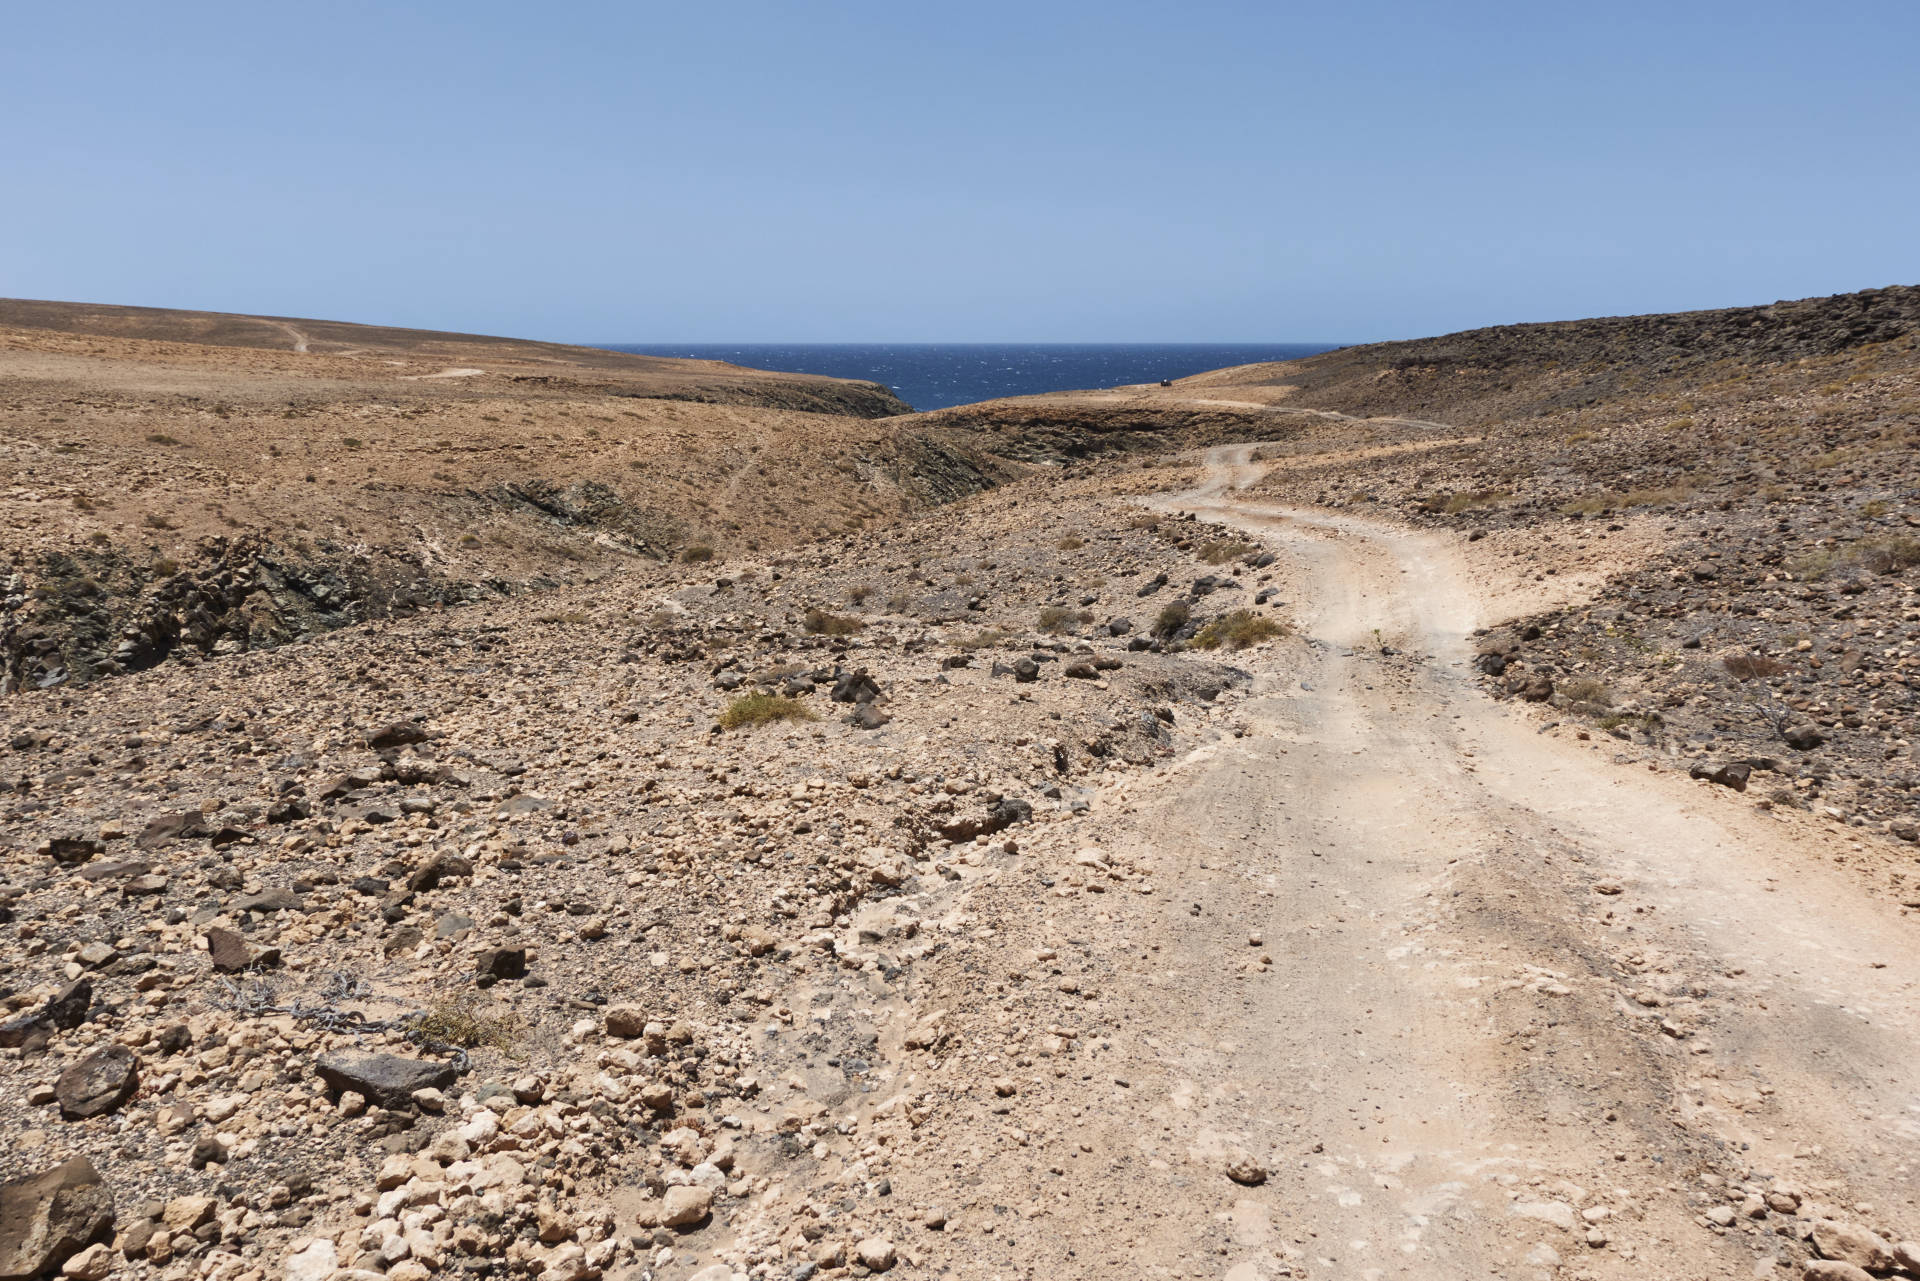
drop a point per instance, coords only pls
(1482, 1001)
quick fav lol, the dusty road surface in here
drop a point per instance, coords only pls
(1477, 1000)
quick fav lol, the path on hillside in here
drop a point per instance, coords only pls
(1521, 998)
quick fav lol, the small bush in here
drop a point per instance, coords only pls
(986, 638)
(1888, 555)
(821, 623)
(1171, 619)
(1238, 630)
(153, 520)
(697, 554)
(859, 593)
(1457, 503)
(763, 709)
(1585, 689)
(165, 567)
(458, 1021)
(1746, 667)
(1222, 550)
(352, 442)
(161, 438)
(1072, 543)
(1059, 619)
(469, 540)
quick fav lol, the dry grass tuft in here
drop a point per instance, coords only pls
(763, 709)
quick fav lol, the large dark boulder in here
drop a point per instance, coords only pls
(387, 1080)
(98, 1084)
(47, 1218)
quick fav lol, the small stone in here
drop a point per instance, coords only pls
(876, 1254)
(501, 963)
(685, 1205)
(1244, 1170)
(206, 1151)
(315, 1261)
(1721, 1216)
(626, 1021)
(228, 951)
(95, 1263)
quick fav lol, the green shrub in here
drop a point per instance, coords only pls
(763, 709)
(1238, 630)
(161, 438)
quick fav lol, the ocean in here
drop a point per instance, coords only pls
(936, 375)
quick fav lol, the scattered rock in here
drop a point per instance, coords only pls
(98, 1084)
(48, 1218)
(387, 1080)
(1851, 1243)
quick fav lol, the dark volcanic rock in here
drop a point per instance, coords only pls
(1734, 775)
(501, 963)
(47, 1218)
(170, 827)
(1803, 738)
(398, 734)
(386, 1080)
(68, 1008)
(98, 1084)
(230, 953)
(73, 849)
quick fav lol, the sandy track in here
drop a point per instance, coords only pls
(1518, 994)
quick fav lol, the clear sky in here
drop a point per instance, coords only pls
(1072, 170)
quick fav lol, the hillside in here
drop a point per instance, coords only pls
(222, 480)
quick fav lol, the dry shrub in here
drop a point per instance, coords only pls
(1747, 667)
(698, 554)
(1238, 630)
(1222, 550)
(1058, 619)
(821, 623)
(763, 709)
(1173, 616)
(458, 1021)
(1587, 690)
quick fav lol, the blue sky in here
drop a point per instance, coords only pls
(1037, 171)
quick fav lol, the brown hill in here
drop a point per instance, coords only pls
(243, 480)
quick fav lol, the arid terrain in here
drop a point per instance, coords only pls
(1433, 810)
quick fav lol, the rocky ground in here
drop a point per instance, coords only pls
(676, 962)
(224, 484)
(1121, 871)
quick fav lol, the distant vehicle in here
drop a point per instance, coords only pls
(1166, 382)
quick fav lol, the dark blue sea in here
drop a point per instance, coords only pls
(936, 375)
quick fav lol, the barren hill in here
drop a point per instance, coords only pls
(328, 472)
